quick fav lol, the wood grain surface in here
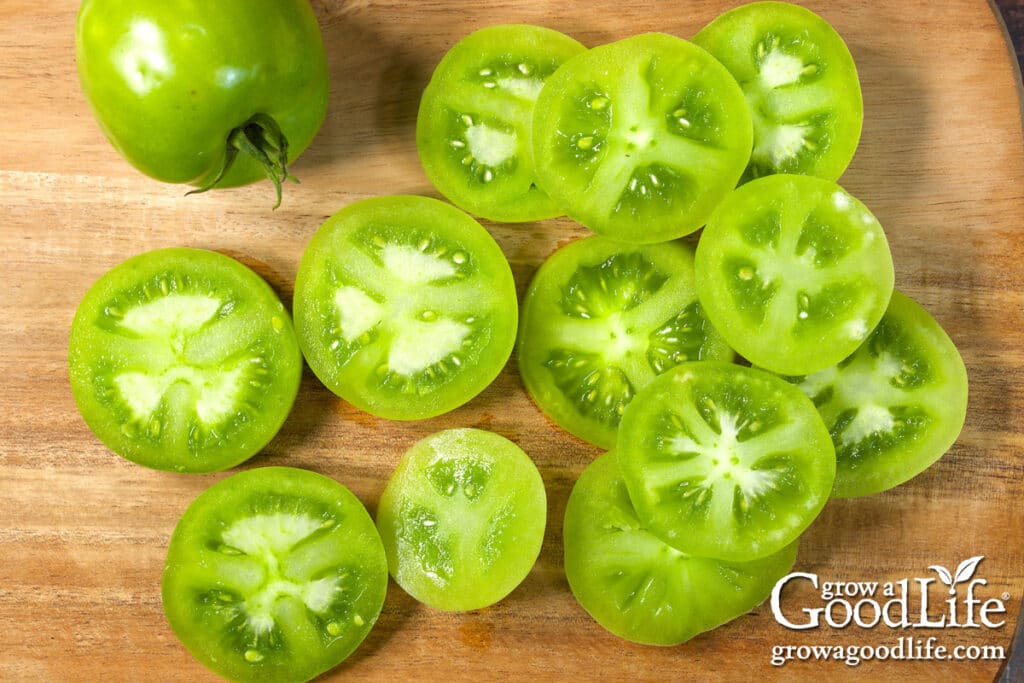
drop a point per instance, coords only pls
(83, 533)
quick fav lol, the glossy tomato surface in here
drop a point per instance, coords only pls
(183, 360)
(474, 127)
(170, 80)
(274, 574)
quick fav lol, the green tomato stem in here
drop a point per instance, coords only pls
(261, 138)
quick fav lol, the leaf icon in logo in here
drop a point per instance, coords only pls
(964, 571)
(967, 568)
(944, 575)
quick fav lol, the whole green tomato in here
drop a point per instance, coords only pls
(214, 94)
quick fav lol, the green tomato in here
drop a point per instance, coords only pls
(183, 360)
(214, 94)
(274, 574)
(895, 405)
(641, 588)
(725, 461)
(462, 519)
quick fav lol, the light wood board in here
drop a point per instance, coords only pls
(83, 533)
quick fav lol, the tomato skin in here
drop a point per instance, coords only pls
(168, 80)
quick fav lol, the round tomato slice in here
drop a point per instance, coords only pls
(474, 125)
(894, 406)
(274, 574)
(801, 83)
(405, 306)
(462, 519)
(725, 461)
(794, 272)
(183, 359)
(639, 587)
(640, 139)
(600, 320)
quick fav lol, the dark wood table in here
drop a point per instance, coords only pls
(1013, 16)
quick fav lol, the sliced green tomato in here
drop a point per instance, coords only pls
(801, 83)
(639, 140)
(894, 406)
(641, 588)
(274, 574)
(462, 519)
(600, 320)
(405, 306)
(793, 272)
(183, 359)
(725, 461)
(474, 125)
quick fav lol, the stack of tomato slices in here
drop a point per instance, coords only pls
(741, 376)
(738, 377)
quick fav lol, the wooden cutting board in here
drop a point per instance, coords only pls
(83, 533)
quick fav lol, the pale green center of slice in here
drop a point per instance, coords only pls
(171, 315)
(269, 538)
(357, 312)
(781, 142)
(422, 344)
(170, 320)
(779, 69)
(216, 392)
(523, 88)
(870, 419)
(411, 265)
(490, 146)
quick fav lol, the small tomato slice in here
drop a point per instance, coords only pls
(641, 588)
(184, 360)
(462, 519)
(274, 574)
(405, 306)
(793, 272)
(600, 320)
(640, 139)
(725, 461)
(894, 406)
(801, 83)
(475, 120)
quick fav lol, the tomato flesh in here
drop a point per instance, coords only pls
(801, 83)
(641, 588)
(405, 306)
(600, 320)
(474, 125)
(896, 405)
(462, 519)
(794, 272)
(725, 461)
(183, 359)
(275, 573)
(639, 140)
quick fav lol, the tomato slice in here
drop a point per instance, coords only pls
(639, 587)
(725, 461)
(600, 320)
(474, 125)
(405, 306)
(183, 359)
(794, 272)
(894, 406)
(462, 519)
(274, 574)
(640, 139)
(801, 83)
